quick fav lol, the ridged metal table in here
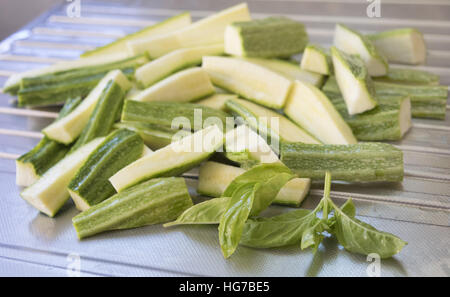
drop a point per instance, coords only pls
(417, 210)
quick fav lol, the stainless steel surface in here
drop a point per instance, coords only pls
(417, 210)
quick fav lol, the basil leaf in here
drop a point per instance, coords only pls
(207, 212)
(359, 237)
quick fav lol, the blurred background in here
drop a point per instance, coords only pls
(16, 13)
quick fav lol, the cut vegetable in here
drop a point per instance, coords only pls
(184, 86)
(32, 165)
(154, 136)
(409, 76)
(215, 177)
(426, 101)
(249, 80)
(390, 120)
(120, 45)
(401, 45)
(273, 37)
(12, 85)
(67, 129)
(316, 59)
(244, 146)
(50, 193)
(173, 114)
(217, 101)
(177, 60)
(155, 201)
(362, 162)
(354, 43)
(354, 82)
(108, 106)
(207, 31)
(90, 185)
(171, 160)
(313, 111)
(289, 70)
(55, 88)
(272, 125)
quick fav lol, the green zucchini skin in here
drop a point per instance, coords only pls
(163, 113)
(273, 37)
(380, 123)
(409, 76)
(91, 183)
(426, 101)
(155, 201)
(103, 116)
(154, 136)
(47, 152)
(362, 162)
(56, 87)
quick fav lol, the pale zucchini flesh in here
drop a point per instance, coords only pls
(207, 31)
(251, 81)
(354, 43)
(406, 46)
(33, 164)
(217, 101)
(215, 177)
(120, 45)
(67, 129)
(155, 201)
(184, 86)
(289, 69)
(272, 37)
(354, 82)
(173, 62)
(362, 162)
(90, 184)
(316, 59)
(313, 111)
(171, 160)
(154, 136)
(50, 192)
(274, 126)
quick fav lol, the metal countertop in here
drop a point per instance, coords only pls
(417, 210)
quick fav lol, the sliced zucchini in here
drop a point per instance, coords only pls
(354, 43)
(175, 61)
(313, 111)
(353, 81)
(217, 101)
(390, 120)
(273, 37)
(90, 184)
(272, 125)
(249, 80)
(316, 59)
(246, 147)
(171, 160)
(50, 193)
(289, 70)
(409, 76)
(101, 121)
(362, 162)
(155, 201)
(33, 164)
(207, 31)
(405, 46)
(173, 114)
(120, 45)
(12, 85)
(67, 129)
(154, 136)
(215, 177)
(57, 87)
(184, 86)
